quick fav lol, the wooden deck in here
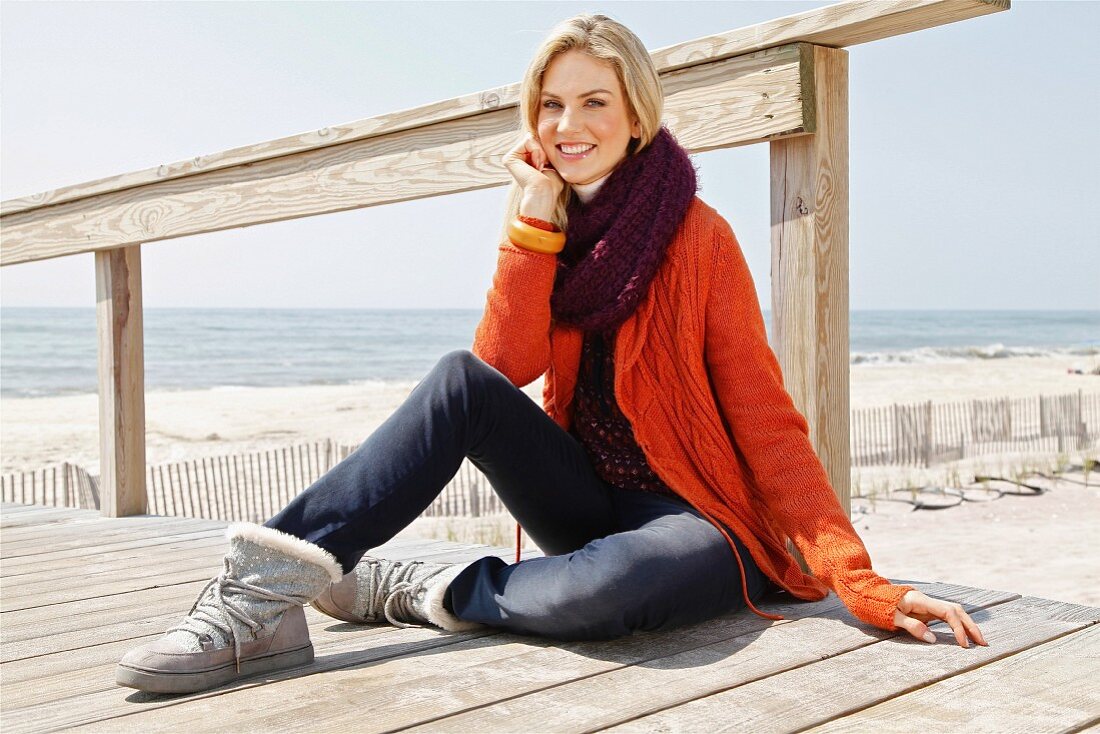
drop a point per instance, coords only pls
(80, 590)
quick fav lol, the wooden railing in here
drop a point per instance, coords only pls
(783, 82)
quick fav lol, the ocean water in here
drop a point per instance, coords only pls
(52, 351)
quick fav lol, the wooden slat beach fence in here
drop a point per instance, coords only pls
(254, 486)
(62, 485)
(251, 486)
(924, 434)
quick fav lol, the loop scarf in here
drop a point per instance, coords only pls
(615, 243)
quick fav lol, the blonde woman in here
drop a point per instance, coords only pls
(664, 472)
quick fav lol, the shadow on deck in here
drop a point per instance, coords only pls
(80, 590)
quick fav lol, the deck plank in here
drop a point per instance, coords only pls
(79, 530)
(75, 660)
(101, 582)
(40, 516)
(91, 612)
(807, 695)
(65, 570)
(31, 638)
(117, 583)
(1053, 683)
(415, 688)
(21, 550)
(79, 541)
(97, 662)
(172, 576)
(19, 564)
(14, 508)
(340, 648)
(671, 677)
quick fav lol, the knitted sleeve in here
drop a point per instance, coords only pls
(514, 333)
(774, 439)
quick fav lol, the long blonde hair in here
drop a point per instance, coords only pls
(603, 38)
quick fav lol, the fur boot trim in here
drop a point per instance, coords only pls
(434, 610)
(286, 543)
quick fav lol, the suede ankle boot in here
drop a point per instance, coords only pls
(247, 620)
(404, 593)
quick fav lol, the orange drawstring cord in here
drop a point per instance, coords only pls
(740, 567)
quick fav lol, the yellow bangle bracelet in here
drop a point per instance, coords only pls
(532, 238)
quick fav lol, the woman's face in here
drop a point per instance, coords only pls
(583, 107)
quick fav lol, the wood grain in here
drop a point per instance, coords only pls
(807, 694)
(809, 256)
(1048, 688)
(121, 381)
(663, 680)
(736, 672)
(736, 101)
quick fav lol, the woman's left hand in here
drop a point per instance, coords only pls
(915, 608)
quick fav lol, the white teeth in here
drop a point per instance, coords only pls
(573, 149)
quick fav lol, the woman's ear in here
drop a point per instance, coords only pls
(636, 129)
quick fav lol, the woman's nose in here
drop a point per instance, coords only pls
(565, 123)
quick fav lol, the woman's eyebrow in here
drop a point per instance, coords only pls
(586, 94)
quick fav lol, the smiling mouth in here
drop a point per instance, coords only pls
(575, 156)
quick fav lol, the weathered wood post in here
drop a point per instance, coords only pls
(809, 270)
(121, 381)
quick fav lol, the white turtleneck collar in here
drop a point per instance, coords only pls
(585, 192)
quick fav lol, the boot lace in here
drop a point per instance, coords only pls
(219, 612)
(390, 587)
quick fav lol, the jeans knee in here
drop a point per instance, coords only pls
(463, 368)
(463, 362)
(458, 359)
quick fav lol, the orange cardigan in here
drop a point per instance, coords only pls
(702, 388)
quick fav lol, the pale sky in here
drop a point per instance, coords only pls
(973, 154)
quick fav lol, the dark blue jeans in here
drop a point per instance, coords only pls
(616, 560)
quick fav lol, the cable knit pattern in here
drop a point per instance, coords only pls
(701, 386)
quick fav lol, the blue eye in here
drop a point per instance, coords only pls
(599, 103)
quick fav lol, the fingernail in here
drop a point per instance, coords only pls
(929, 637)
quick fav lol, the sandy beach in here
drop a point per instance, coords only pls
(1043, 545)
(183, 424)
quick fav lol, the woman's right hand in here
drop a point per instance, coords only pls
(541, 184)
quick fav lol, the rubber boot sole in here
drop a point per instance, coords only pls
(161, 681)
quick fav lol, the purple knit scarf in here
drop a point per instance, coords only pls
(615, 242)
